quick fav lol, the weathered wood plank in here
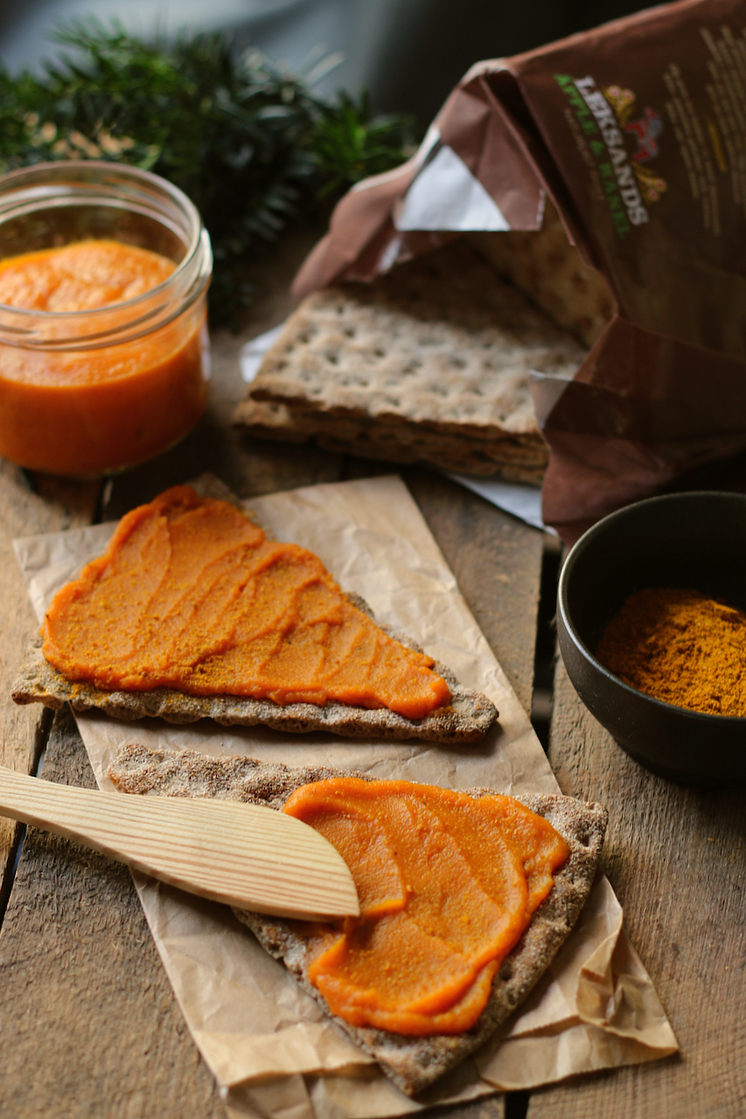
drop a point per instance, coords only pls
(26, 508)
(497, 562)
(677, 859)
(89, 1023)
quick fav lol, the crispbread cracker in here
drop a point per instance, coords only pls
(467, 718)
(551, 271)
(436, 354)
(518, 459)
(412, 1063)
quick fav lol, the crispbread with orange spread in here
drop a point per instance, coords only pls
(413, 1063)
(428, 362)
(215, 619)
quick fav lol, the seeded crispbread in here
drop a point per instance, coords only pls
(429, 362)
(412, 1063)
(551, 271)
(467, 718)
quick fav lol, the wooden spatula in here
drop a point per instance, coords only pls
(240, 854)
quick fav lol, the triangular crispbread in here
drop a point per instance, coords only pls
(412, 1063)
(465, 719)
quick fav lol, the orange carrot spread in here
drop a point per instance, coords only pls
(80, 277)
(447, 885)
(191, 595)
(110, 403)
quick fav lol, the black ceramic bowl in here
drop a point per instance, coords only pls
(692, 540)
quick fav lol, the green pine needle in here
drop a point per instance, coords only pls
(248, 144)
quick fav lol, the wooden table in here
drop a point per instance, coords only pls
(88, 1024)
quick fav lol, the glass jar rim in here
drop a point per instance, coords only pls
(19, 189)
(23, 190)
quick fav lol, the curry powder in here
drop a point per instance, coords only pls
(680, 647)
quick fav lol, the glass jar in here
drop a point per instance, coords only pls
(88, 392)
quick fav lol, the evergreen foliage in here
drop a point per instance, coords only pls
(248, 144)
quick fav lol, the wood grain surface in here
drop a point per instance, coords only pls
(88, 1024)
(27, 506)
(677, 860)
(89, 1027)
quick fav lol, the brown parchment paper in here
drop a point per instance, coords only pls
(267, 1043)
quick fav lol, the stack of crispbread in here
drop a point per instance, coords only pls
(429, 362)
(467, 717)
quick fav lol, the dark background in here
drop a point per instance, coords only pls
(408, 53)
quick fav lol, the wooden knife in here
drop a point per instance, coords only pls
(240, 854)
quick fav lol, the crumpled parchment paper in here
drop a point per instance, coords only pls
(268, 1044)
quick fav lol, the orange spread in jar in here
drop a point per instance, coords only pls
(109, 403)
(81, 276)
(191, 595)
(447, 885)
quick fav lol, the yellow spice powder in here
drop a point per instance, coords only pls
(680, 647)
